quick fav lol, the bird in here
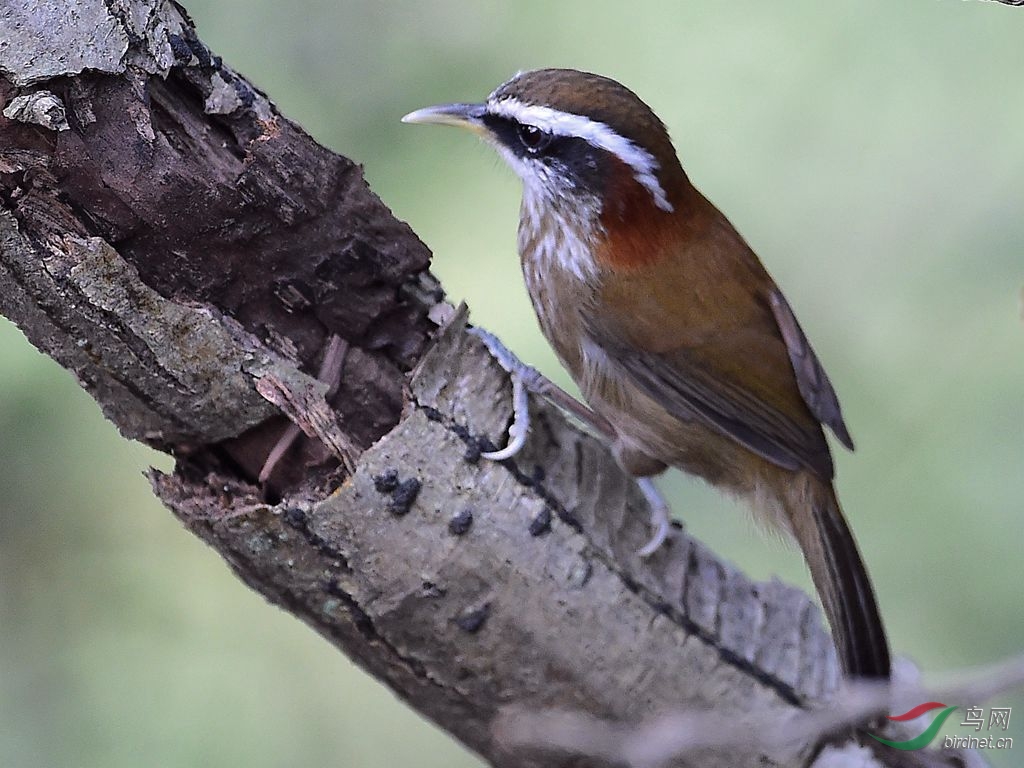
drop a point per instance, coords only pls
(680, 341)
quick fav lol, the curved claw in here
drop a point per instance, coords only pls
(660, 516)
(520, 426)
(524, 379)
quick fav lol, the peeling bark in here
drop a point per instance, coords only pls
(186, 251)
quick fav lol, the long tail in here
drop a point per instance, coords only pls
(840, 577)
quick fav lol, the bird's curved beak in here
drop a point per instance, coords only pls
(463, 115)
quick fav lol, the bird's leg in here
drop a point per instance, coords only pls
(330, 373)
(525, 380)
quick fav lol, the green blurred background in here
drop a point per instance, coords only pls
(872, 153)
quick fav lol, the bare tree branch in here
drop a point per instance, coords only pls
(189, 254)
(672, 734)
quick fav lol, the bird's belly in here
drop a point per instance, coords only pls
(647, 437)
(555, 303)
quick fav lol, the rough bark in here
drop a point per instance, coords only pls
(187, 252)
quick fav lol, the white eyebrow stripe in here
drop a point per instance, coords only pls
(595, 133)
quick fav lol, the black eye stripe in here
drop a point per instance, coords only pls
(571, 159)
(511, 133)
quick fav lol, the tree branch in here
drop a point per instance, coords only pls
(187, 252)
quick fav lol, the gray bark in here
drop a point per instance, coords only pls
(187, 252)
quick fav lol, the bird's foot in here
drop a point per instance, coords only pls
(528, 380)
(661, 516)
(520, 426)
(524, 379)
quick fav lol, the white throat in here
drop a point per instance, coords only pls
(558, 233)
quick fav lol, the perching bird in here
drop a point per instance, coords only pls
(676, 335)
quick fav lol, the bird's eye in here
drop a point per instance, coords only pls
(533, 138)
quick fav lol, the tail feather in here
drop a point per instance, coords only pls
(841, 580)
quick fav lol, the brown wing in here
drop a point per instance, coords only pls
(727, 385)
(815, 388)
(707, 334)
